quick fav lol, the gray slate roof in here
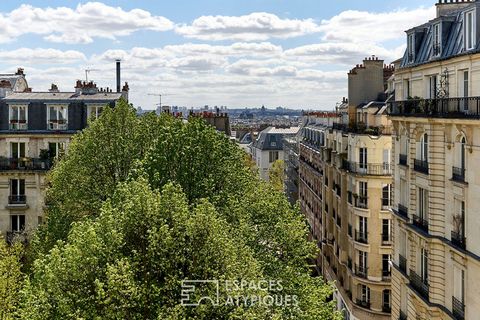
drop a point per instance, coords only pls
(272, 138)
(452, 38)
(61, 97)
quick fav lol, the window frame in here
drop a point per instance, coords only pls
(470, 29)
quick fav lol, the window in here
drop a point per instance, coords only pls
(57, 117)
(387, 196)
(364, 293)
(363, 188)
(436, 45)
(432, 87)
(363, 226)
(363, 158)
(424, 148)
(386, 230)
(362, 261)
(94, 111)
(406, 89)
(272, 156)
(422, 205)
(469, 30)
(411, 47)
(386, 299)
(424, 265)
(17, 222)
(18, 117)
(459, 283)
(465, 90)
(403, 192)
(17, 187)
(459, 219)
(386, 264)
(17, 150)
(56, 149)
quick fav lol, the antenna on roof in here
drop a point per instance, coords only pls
(87, 71)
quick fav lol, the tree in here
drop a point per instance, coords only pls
(11, 278)
(276, 175)
(168, 201)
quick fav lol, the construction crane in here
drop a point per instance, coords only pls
(87, 71)
(159, 95)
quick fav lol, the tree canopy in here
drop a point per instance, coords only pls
(139, 204)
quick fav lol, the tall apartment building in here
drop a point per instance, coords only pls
(345, 192)
(436, 121)
(35, 128)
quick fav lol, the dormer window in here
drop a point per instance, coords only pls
(470, 33)
(411, 47)
(436, 40)
(57, 117)
(18, 117)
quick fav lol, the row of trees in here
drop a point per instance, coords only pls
(141, 203)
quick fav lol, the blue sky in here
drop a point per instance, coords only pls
(236, 53)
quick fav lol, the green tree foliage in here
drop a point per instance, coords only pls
(276, 174)
(139, 204)
(11, 278)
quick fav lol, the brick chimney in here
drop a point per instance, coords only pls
(444, 7)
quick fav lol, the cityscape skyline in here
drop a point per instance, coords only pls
(270, 53)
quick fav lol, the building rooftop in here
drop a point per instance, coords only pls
(272, 138)
(62, 96)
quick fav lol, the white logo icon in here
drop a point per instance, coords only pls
(196, 291)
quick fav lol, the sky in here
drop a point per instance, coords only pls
(243, 53)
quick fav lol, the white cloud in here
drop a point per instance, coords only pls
(257, 26)
(359, 26)
(80, 25)
(40, 56)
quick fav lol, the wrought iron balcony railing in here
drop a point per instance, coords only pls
(419, 284)
(420, 222)
(24, 164)
(458, 240)
(363, 303)
(420, 166)
(458, 174)
(403, 159)
(465, 107)
(403, 210)
(361, 202)
(373, 169)
(17, 199)
(13, 236)
(458, 309)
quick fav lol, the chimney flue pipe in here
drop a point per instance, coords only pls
(118, 74)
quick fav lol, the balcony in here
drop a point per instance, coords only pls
(459, 108)
(403, 316)
(363, 303)
(373, 169)
(361, 236)
(361, 202)
(420, 222)
(24, 164)
(57, 125)
(17, 199)
(402, 263)
(18, 125)
(458, 240)
(361, 271)
(13, 236)
(403, 210)
(419, 284)
(458, 174)
(458, 309)
(403, 159)
(420, 166)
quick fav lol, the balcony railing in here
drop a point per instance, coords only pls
(363, 303)
(458, 309)
(57, 125)
(24, 164)
(361, 202)
(468, 107)
(403, 159)
(361, 128)
(420, 222)
(18, 125)
(361, 236)
(374, 169)
(458, 240)
(402, 263)
(420, 285)
(13, 236)
(403, 210)
(420, 166)
(17, 199)
(458, 174)
(361, 271)
(403, 316)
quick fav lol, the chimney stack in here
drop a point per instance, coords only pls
(445, 7)
(118, 75)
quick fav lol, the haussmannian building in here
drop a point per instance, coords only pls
(436, 157)
(345, 191)
(35, 129)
